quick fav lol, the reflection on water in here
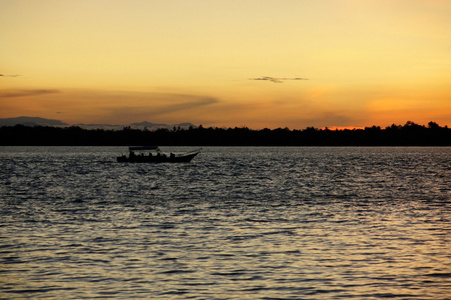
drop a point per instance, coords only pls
(259, 223)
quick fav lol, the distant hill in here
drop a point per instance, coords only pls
(140, 125)
(100, 126)
(36, 121)
(153, 126)
(31, 121)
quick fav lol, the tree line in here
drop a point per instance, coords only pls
(410, 134)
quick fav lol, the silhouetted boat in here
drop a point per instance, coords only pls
(156, 156)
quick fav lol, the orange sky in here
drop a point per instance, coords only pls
(367, 62)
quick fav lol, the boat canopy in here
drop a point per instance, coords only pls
(141, 148)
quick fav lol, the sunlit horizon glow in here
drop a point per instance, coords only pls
(253, 63)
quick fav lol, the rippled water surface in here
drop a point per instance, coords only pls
(257, 223)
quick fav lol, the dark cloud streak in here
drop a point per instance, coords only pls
(26, 93)
(277, 80)
(167, 109)
(2, 75)
(183, 103)
(188, 105)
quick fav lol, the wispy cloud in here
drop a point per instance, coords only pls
(187, 105)
(190, 103)
(277, 80)
(26, 93)
(3, 75)
(126, 107)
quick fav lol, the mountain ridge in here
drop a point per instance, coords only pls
(38, 121)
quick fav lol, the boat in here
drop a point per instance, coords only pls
(152, 154)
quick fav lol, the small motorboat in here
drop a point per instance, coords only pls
(152, 154)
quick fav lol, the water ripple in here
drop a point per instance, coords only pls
(259, 223)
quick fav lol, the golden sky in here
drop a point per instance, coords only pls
(227, 63)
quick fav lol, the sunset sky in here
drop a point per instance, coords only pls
(227, 63)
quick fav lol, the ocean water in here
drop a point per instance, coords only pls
(235, 223)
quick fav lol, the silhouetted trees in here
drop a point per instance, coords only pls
(410, 134)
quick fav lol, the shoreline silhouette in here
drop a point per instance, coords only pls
(410, 134)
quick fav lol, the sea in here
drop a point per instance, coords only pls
(234, 223)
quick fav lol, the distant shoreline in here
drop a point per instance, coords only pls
(410, 134)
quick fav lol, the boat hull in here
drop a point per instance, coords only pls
(157, 159)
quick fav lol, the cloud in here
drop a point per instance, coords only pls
(26, 93)
(3, 75)
(187, 105)
(161, 109)
(126, 107)
(277, 80)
